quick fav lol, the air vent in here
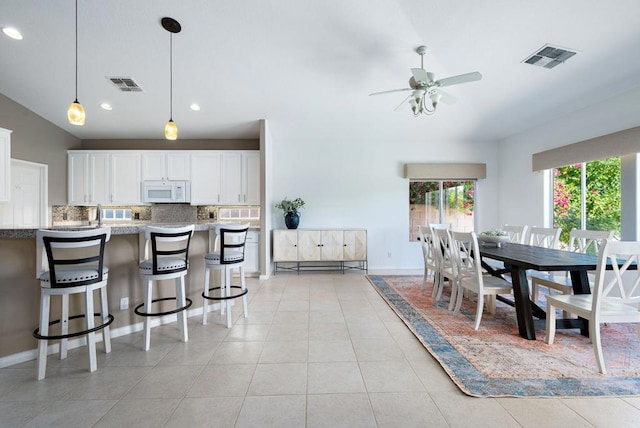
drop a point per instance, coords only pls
(549, 56)
(125, 84)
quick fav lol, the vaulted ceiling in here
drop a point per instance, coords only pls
(309, 67)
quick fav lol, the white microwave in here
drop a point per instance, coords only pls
(166, 192)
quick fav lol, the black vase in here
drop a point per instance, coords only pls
(292, 219)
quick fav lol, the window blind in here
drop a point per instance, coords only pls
(445, 171)
(616, 144)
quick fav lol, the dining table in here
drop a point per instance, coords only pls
(517, 259)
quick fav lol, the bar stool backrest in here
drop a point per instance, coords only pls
(230, 241)
(169, 248)
(72, 258)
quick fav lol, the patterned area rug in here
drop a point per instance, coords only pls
(495, 361)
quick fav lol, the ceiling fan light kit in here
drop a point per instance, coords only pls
(426, 93)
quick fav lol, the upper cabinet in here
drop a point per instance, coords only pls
(206, 185)
(166, 165)
(241, 177)
(5, 165)
(111, 178)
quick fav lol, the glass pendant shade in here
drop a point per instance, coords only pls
(171, 130)
(76, 114)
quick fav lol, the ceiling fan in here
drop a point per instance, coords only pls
(426, 92)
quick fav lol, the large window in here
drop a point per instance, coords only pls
(441, 202)
(587, 196)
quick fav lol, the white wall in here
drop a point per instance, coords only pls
(361, 184)
(521, 190)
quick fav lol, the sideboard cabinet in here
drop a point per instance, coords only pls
(319, 249)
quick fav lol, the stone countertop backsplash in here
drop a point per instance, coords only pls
(72, 217)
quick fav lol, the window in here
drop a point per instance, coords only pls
(441, 202)
(587, 196)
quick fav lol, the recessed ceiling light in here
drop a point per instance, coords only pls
(12, 32)
(194, 107)
(106, 106)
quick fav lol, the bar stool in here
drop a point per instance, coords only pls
(72, 263)
(228, 253)
(169, 260)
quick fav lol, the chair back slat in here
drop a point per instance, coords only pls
(622, 282)
(546, 237)
(588, 241)
(517, 234)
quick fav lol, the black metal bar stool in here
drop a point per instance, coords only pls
(72, 263)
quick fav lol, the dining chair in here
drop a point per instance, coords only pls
(547, 237)
(445, 264)
(614, 298)
(470, 273)
(580, 241)
(517, 234)
(426, 244)
(169, 259)
(228, 253)
(72, 263)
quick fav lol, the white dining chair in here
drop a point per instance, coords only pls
(517, 234)
(580, 241)
(471, 276)
(426, 244)
(547, 237)
(445, 264)
(614, 298)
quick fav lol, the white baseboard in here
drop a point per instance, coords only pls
(32, 354)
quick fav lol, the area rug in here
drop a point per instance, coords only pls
(495, 361)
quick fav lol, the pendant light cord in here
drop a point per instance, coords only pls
(76, 99)
(170, 76)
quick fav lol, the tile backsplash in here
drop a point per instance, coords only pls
(164, 213)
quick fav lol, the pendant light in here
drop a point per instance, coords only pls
(75, 113)
(172, 26)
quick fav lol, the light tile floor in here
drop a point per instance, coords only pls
(318, 350)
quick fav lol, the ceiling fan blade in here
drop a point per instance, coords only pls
(461, 78)
(403, 103)
(391, 91)
(447, 98)
(420, 75)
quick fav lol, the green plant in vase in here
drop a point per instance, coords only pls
(290, 210)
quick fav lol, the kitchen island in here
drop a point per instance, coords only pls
(19, 288)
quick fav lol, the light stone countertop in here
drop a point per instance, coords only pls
(117, 228)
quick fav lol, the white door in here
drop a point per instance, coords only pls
(125, 179)
(205, 178)
(232, 178)
(251, 178)
(78, 179)
(285, 245)
(309, 245)
(332, 245)
(355, 245)
(28, 207)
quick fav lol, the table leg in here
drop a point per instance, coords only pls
(526, 326)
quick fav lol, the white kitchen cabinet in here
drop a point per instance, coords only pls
(88, 178)
(111, 178)
(206, 185)
(166, 165)
(252, 253)
(5, 165)
(240, 177)
(344, 248)
(125, 179)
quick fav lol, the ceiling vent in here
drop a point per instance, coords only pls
(549, 56)
(125, 84)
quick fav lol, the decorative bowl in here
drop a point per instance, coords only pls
(494, 240)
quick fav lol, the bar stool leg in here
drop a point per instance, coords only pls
(104, 309)
(45, 301)
(64, 325)
(227, 284)
(223, 290)
(182, 302)
(205, 305)
(147, 321)
(91, 337)
(243, 285)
